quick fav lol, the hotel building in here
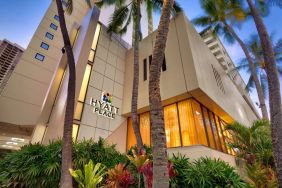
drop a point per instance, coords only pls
(199, 98)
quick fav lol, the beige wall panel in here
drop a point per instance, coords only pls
(110, 71)
(103, 123)
(108, 85)
(119, 77)
(89, 117)
(102, 53)
(86, 132)
(112, 58)
(100, 133)
(99, 65)
(118, 137)
(34, 72)
(18, 112)
(96, 80)
(120, 64)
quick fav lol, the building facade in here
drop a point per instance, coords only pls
(9, 57)
(198, 96)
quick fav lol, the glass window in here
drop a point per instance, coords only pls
(39, 56)
(96, 37)
(187, 125)
(220, 134)
(74, 131)
(91, 56)
(84, 84)
(131, 140)
(145, 128)
(56, 17)
(209, 129)
(199, 123)
(171, 126)
(53, 26)
(44, 46)
(215, 132)
(145, 69)
(49, 36)
(164, 65)
(78, 111)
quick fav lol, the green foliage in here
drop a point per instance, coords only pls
(92, 176)
(204, 173)
(39, 165)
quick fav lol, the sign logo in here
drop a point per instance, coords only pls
(104, 106)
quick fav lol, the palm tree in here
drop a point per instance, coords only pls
(218, 15)
(254, 47)
(66, 179)
(161, 178)
(275, 104)
(119, 23)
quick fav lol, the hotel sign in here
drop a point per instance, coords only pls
(104, 107)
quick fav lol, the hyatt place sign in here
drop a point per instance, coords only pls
(104, 106)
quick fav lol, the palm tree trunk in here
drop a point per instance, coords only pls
(66, 179)
(274, 89)
(261, 96)
(160, 172)
(134, 100)
(150, 21)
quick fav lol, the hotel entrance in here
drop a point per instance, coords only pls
(187, 123)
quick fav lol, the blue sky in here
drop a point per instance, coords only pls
(20, 18)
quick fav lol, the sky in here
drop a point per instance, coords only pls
(20, 18)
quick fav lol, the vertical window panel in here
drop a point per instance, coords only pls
(84, 84)
(145, 128)
(187, 124)
(145, 69)
(171, 126)
(199, 123)
(96, 36)
(74, 131)
(227, 136)
(209, 129)
(220, 133)
(131, 140)
(78, 111)
(215, 132)
(91, 56)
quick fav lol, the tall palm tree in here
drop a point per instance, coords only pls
(219, 15)
(255, 48)
(119, 23)
(66, 178)
(160, 178)
(275, 103)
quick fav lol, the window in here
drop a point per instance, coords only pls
(150, 60)
(164, 65)
(84, 84)
(49, 36)
(74, 131)
(40, 57)
(44, 46)
(78, 111)
(145, 128)
(145, 69)
(209, 128)
(171, 126)
(53, 26)
(56, 17)
(131, 140)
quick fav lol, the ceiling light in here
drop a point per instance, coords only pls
(12, 143)
(18, 139)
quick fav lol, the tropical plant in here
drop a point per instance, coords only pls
(39, 165)
(204, 173)
(219, 15)
(252, 143)
(254, 46)
(161, 176)
(91, 177)
(273, 86)
(119, 177)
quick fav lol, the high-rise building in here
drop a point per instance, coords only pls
(198, 97)
(9, 57)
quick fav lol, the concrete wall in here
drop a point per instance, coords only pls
(189, 74)
(22, 100)
(107, 76)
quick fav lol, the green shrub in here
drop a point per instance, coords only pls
(205, 173)
(38, 165)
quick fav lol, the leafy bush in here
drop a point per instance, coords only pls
(38, 165)
(204, 173)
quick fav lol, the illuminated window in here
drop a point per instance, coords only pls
(215, 132)
(96, 36)
(209, 129)
(145, 128)
(171, 126)
(84, 84)
(74, 131)
(220, 133)
(91, 56)
(131, 140)
(187, 124)
(78, 111)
